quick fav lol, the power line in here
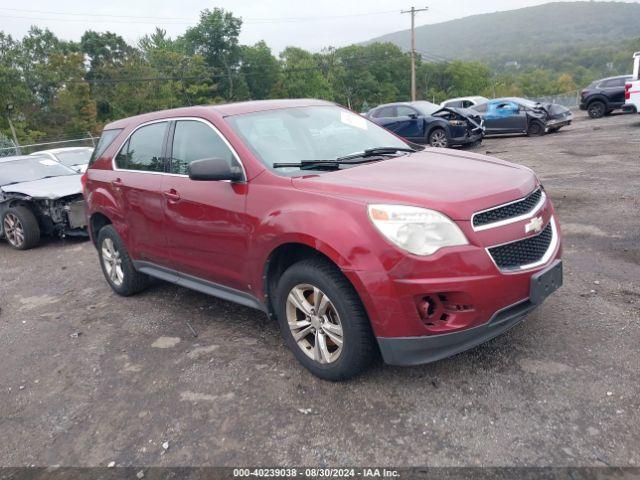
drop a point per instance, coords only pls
(145, 19)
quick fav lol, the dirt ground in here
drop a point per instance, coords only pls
(87, 377)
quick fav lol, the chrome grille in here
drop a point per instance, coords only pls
(511, 210)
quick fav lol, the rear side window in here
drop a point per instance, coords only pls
(384, 112)
(195, 140)
(454, 104)
(143, 150)
(613, 82)
(106, 139)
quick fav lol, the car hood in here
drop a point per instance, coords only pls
(49, 188)
(472, 115)
(457, 184)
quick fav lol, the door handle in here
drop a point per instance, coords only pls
(117, 183)
(172, 195)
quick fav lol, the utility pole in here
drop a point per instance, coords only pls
(413, 12)
(13, 130)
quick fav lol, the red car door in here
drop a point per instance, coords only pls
(137, 183)
(205, 221)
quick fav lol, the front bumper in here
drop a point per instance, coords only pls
(473, 137)
(559, 122)
(407, 351)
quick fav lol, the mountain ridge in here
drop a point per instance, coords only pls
(507, 35)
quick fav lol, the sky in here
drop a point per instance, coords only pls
(306, 24)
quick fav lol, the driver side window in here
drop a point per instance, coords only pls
(404, 111)
(194, 140)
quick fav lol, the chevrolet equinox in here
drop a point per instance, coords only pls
(355, 241)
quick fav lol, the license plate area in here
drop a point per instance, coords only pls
(545, 282)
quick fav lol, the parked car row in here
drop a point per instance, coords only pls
(465, 121)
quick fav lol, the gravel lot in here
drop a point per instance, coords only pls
(87, 377)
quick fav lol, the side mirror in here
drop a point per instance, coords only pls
(413, 116)
(214, 169)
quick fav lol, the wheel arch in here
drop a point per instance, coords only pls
(96, 222)
(598, 98)
(437, 124)
(285, 255)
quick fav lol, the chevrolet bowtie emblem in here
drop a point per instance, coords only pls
(535, 225)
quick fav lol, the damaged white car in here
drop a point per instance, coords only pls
(39, 196)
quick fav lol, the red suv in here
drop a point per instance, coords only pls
(354, 241)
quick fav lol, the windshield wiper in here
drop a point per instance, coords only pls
(324, 164)
(373, 152)
(366, 156)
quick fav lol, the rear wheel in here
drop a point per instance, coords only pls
(116, 264)
(438, 138)
(21, 228)
(323, 320)
(596, 109)
(536, 128)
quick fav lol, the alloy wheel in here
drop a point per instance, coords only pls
(314, 323)
(439, 139)
(13, 230)
(596, 110)
(112, 262)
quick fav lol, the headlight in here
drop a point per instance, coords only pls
(416, 230)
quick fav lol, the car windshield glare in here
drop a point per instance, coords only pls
(31, 169)
(74, 157)
(291, 135)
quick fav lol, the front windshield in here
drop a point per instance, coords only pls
(30, 169)
(425, 107)
(74, 157)
(291, 135)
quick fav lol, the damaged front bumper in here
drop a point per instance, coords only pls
(560, 121)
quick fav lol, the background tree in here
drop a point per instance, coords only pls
(215, 38)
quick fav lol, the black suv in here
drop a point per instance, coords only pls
(603, 96)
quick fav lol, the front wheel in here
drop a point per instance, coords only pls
(438, 138)
(536, 128)
(116, 264)
(20, 227)
(323, 320)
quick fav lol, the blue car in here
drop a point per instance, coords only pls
(426, 123)
(519, 115)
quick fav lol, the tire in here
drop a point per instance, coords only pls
(535, 129)
(116, 264)
(438, 138)
(20, 228)
(597, 109)
(343, 317)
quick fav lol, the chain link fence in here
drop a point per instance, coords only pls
(568, 99)
(9, 148)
